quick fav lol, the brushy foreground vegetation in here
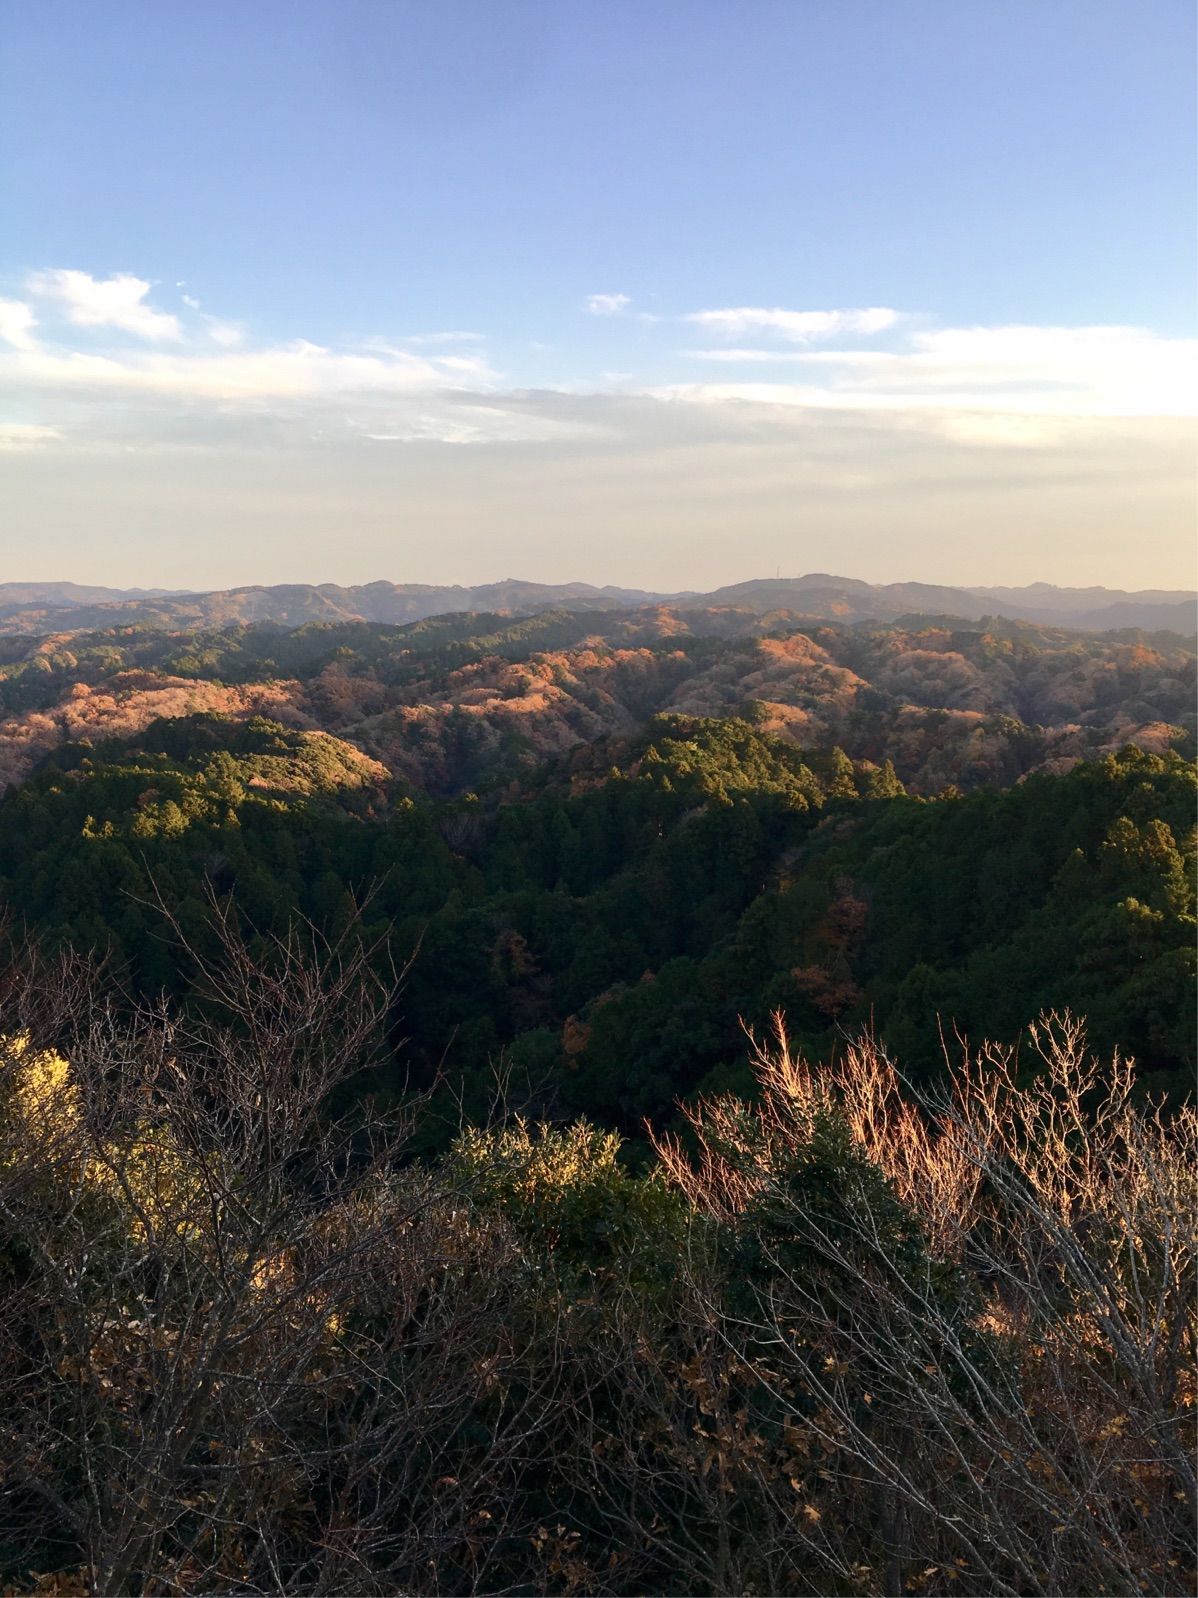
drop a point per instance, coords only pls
(840, 1338)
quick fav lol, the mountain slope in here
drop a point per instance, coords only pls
(462, 702)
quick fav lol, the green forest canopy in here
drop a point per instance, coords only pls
(605, 928)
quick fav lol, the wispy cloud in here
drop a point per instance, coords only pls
(117, 302)
(472, 366)
(208, 384)
(214, 388)
(737, 354)
(25, 435)
(17, 322)
(227, 334)
(289, 371)
(736, 321)
(1013, 370)
(454, 336)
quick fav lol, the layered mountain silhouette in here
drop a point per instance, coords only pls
(68, 607)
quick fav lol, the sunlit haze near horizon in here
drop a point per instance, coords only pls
(665, 295)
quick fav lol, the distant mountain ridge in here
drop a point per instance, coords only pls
(34, 608)
(18, 596)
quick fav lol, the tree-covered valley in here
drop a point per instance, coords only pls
(611, 839)
(598, 799)
(597, 1103)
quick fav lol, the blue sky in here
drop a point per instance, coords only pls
(897, 287)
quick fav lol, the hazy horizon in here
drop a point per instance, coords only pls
(451, 291)
(667, 590)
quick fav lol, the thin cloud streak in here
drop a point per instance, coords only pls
(26, 435)
(799, 326)
(1032, 371)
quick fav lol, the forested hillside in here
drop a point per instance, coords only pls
(414, 1175)
(414, 1171)
(523, 1087)
(457, 702)
(603, 926)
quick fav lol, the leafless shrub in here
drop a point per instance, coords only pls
(238, 1341)
(890, 1343)
(1004, 1404)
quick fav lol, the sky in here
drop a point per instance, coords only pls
(667, 293)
